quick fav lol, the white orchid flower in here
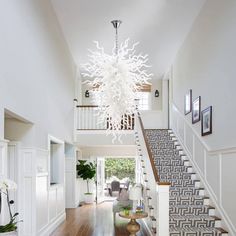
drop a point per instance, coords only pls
(7, 184)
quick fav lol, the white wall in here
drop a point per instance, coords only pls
(115, 150)
(206, 64)
(157, 118)
(37, 72)
(156, 102)
(37, 81)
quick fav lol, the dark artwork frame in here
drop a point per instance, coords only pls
(206, 121)
(196, 110)
(188, 102)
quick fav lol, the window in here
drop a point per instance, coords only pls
(143, 102)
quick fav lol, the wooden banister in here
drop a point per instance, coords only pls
(154, 169)
(86, 106)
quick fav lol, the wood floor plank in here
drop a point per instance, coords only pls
(94, 220)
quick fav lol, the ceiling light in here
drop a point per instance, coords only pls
(115, 78)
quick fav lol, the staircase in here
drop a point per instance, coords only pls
(190, 212)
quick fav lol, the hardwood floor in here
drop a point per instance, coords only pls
(92, 220)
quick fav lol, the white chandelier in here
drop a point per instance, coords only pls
(116, 79)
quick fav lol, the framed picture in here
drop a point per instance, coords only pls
(188, 102)
(206, 122)
(196, 108)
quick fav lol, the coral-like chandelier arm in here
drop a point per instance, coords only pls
(117, 78)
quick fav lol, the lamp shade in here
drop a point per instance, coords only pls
(135, 193)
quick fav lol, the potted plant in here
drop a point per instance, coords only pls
(86, 171)
(127, 209)
(10, 228)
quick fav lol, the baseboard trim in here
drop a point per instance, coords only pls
(53, 225)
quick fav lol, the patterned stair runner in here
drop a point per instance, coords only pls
(189, 215)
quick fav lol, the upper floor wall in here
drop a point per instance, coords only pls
(206, 64)
(37, 71)
(157, 114)
(154, 103)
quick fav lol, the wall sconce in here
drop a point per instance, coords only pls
(157, 93)
(87, 94)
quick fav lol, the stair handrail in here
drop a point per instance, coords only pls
(159, 191)
(85, 106)
(151, 158)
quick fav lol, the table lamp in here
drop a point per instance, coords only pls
(135, 194)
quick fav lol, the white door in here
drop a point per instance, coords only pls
(100, 184)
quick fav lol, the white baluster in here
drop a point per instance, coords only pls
(78, 118)
(89, 117)
(84, 118)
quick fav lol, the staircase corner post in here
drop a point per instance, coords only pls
(163, 209)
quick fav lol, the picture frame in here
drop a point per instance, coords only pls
(188, 102)
(196, 110)
(206, 121)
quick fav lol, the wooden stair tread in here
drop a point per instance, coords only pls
(222, 230)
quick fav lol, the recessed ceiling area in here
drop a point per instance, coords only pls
(159, 25)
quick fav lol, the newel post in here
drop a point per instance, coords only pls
(163, 209)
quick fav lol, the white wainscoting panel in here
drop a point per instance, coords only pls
(41, 201)
(52, 204)
(60, 200)
(3, 158)
(3, 174)
(188, 139)
(216, 168)
(27, 187)
(199, 155)
(213, 176)
(228, 184)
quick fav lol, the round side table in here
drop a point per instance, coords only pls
(133, 226)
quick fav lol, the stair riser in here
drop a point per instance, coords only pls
(197, 234)
(182, 183)
(188, 211)
(167, 163)
(192, 223)
(189, 192)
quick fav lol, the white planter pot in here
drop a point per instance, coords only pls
(88, 198)
(12, 233)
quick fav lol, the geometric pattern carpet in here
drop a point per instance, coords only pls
(190, 214)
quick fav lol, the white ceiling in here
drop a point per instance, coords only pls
(159, 25)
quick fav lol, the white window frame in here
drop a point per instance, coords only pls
(144, 100)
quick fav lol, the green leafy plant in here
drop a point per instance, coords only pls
(129, 207)
(86, 171)
(5, 186)
(121, 168)
(126, 209)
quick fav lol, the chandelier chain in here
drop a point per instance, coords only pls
(116, 38)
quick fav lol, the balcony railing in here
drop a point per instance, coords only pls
(87, 118)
